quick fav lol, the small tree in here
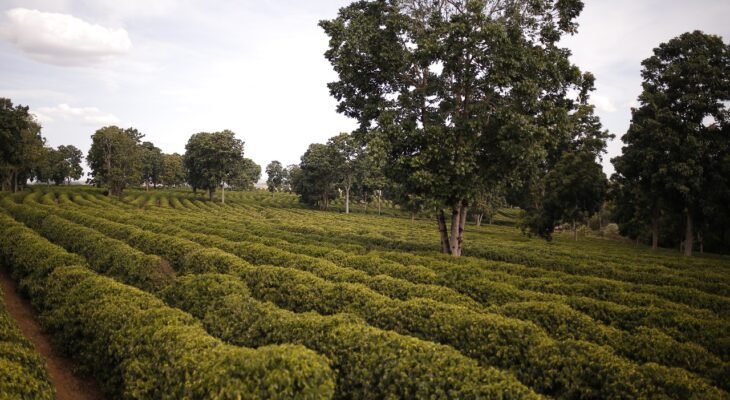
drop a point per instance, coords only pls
(151, 158)
(115, 158)
(346, 152)
(275, 177)
(247, 174)
(318, 176)
(173, 171)
(212, 160)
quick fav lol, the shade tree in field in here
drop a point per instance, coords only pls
(292, 174)
(318, 176)
(246, 175)
(676, 147)
(486, 204)
(59, 165)
(569, 186)
(22, 149)
(275, 176)
(151, 157)
(345, 152)
(115, 158)
(173, 171)
(212, 160)
(462, 93)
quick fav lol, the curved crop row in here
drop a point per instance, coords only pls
(139, 348)
(23, 373)
(502, 342)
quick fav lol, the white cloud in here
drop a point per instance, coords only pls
(63, 39)
(603, 103)
(84, 115)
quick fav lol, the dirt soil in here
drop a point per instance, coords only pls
(68, 386)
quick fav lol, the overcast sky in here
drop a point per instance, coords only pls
(171, 68)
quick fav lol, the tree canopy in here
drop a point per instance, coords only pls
(115, 158)
(461, 94)
(677, 144)
(213, 159)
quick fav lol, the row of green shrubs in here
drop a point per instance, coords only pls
(490, 287)
(559, 320)
(489, 291)
(23, 373)
(505, 251)
(602, 289)
(359, 352)
(491, 339)
(139, 348)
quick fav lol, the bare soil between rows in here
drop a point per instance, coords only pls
(68, 386)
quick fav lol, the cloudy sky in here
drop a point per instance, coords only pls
(172, 68)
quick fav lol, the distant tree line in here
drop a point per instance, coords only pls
(118, 158)
(24, 155)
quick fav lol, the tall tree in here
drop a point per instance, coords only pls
(571, 185)
(275, 176)
(21, 145)
(677, 134)
(151, 164)
(173, 170)
(318, 176)
(575, 189)
(346, 152)
(115, 158)
(212, 159)
(72, 157)
(462, 92)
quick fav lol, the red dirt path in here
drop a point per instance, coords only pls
(68, 386)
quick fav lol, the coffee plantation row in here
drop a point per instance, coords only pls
(161, 294)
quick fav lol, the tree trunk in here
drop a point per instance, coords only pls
(223, 193)
(210, 193)
(378, 205)
(478, 219)
(655, 233)
(458, 219)
(413, 216)
(689, 235)
(442, 231)
(347, 199)
(575, 232)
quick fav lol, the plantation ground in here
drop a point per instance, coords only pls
(263, 298)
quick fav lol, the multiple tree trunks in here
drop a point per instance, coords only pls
(451, 242)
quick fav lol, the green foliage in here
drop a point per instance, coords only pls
(173, 170)
(318, 176)
(137, 347)
(276, 175)
(22, 371)
(151, 158)
(115, 158)
(246, 175)
(371, 363)
(672, 161)
(460, 97)
(213, 159)
(573, 191)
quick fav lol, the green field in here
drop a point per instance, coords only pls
(162, 294)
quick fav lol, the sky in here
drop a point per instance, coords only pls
(172, 68)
